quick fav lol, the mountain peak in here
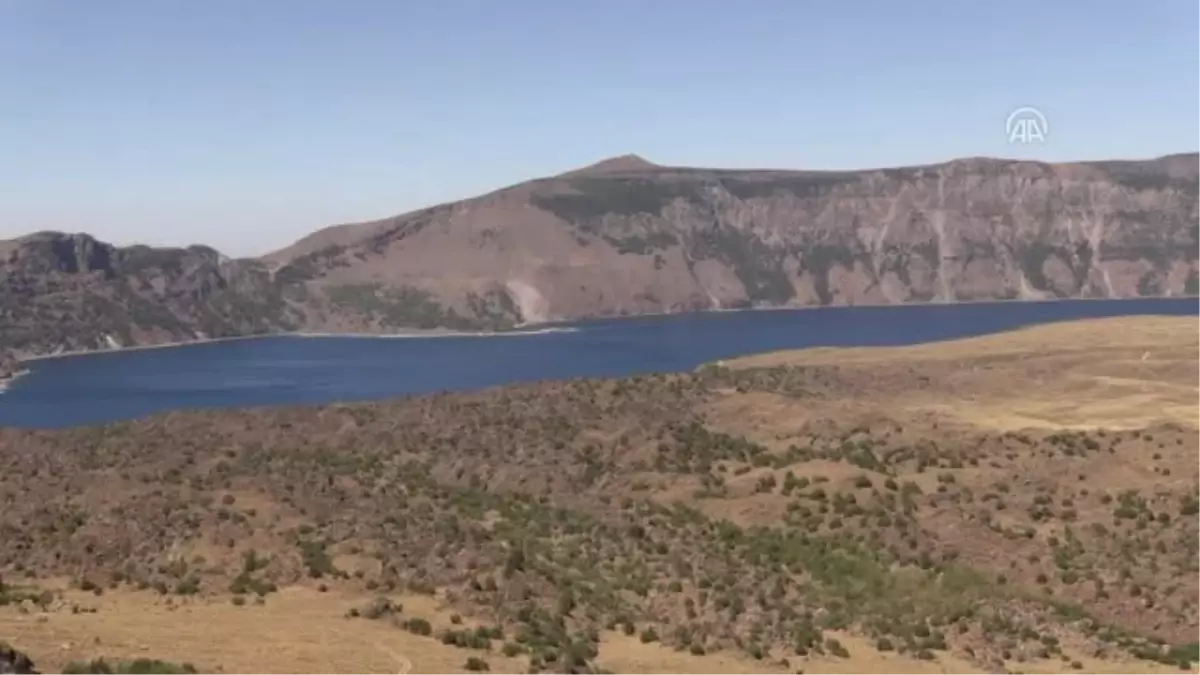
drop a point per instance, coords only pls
(619, 164)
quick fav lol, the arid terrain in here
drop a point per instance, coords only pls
(1025, 502)
(626, 236)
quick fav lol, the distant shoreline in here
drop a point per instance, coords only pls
(449, 334)
(548, 326)
(8, 380)
(415, 334)
(135, 348)
(787, 308)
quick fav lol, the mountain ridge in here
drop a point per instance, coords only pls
(625, 236)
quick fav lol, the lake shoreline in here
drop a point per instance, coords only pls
(546, 327)
(408, 335)
(301, 371)
(515, 332)
(135, 348)
(8, 380)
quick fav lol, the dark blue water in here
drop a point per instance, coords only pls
(103, 387)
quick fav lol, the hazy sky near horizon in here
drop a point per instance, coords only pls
(247, 124)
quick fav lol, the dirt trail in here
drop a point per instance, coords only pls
(406, 667)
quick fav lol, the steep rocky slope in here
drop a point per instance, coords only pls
(62, 292)
(626, 237)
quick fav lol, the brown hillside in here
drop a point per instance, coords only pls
(972, 505)
(625, 236)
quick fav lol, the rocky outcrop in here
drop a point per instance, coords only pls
(64, 292)
(8, 367)
(629, 237)
(13, 661)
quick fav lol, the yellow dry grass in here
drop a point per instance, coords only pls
(628, 655)
(301, 630)
(1084, 335)
(298, 630)
(1127, 372)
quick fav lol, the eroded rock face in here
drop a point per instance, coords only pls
(629, 237)
(63, 292)
(626, 237)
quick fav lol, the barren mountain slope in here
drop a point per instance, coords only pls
(628, 237)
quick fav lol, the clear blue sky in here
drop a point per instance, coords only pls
(247, 123)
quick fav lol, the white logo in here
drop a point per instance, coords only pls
(1026, 125)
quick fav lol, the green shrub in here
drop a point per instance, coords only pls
(134, 667)
(381, 607)
(418, 626)
(188, 586)
(835, 648)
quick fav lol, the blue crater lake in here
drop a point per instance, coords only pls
(110, 386)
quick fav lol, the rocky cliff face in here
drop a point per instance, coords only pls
(629, 237)
(63, 292)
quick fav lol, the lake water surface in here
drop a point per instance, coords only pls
(109, 386)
